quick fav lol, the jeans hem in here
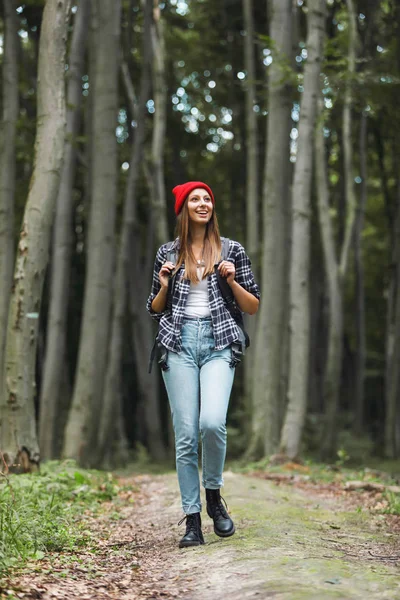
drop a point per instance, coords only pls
(190, 509)
(212, 486)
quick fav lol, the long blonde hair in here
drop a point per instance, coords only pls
(212, 245)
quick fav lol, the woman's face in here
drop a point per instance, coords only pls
(200, 206)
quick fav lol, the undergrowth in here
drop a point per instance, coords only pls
(45, 511)
(337, 473)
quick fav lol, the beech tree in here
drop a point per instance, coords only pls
(85, 413)
(270, 332)
(392, 380)
(142, 327)
(82, 335)
(157, 178)
(252, 177)
(7, 166)
(336, 271)
(299, 263)
(18, 437)
(55, 373)
(113, 382)
(252, 158)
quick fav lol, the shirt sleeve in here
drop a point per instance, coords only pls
(244, 274)
(156, 285)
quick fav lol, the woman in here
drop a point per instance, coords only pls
(197, 331)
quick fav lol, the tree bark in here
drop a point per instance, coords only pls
(361, 350)
(17, 416)
(392, 379)
(252, 158)
(112, 389)
(158, 201)
(331, 393)
(50, 427)
(142, 325)
(81, 433)
(7, 166)
(268, 342)
(252, 185)
(299, 266)
(333, 364)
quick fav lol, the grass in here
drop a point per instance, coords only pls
(44, 512)
(341, 471)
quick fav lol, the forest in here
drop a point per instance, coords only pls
(288, 110)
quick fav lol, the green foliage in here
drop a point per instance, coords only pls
(335, 475)
(393, 501)
(44, 512)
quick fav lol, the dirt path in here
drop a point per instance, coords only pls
(290, 544)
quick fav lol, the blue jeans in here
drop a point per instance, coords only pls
(199, 381)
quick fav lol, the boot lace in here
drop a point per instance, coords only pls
(191, 523)
(219, 508)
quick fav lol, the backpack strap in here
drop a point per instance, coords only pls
(172, 256)
(225, 248)
(226, 291)
(229, 300)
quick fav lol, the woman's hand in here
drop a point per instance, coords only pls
(227, 269)
(165, 272)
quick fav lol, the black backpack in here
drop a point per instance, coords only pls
(238, 349)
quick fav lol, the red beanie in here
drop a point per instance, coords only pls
(182, 191)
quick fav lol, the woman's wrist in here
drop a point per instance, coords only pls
(159, 303)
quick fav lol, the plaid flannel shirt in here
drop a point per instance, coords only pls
(225, 328)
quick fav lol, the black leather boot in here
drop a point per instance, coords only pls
(223, 524)
(193, 535)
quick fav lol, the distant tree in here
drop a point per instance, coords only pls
(126, 258)
(359, 268)
(8, 166)
(18, 438)
(252, 153)
(392, 378)
(157, 178)
(299, 264)
(81, 433)
(270, 332)
(336, 273)
(252, 176)
(51, 419)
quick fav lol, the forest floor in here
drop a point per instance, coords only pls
(292, 542)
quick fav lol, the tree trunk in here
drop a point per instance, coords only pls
(50, 427)
(285, 349)
(268, 342)
(392, 380)
(252, 185)
(331, 394)
(333, 364)
(252, 159)
(17, 416)
(148, 383)
(361, 351)
(84, 419)
(143, 327)
(112, 389)
(299, 266)
(158, 200)
(7, 166)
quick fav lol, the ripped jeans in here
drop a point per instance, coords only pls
(199, 381)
